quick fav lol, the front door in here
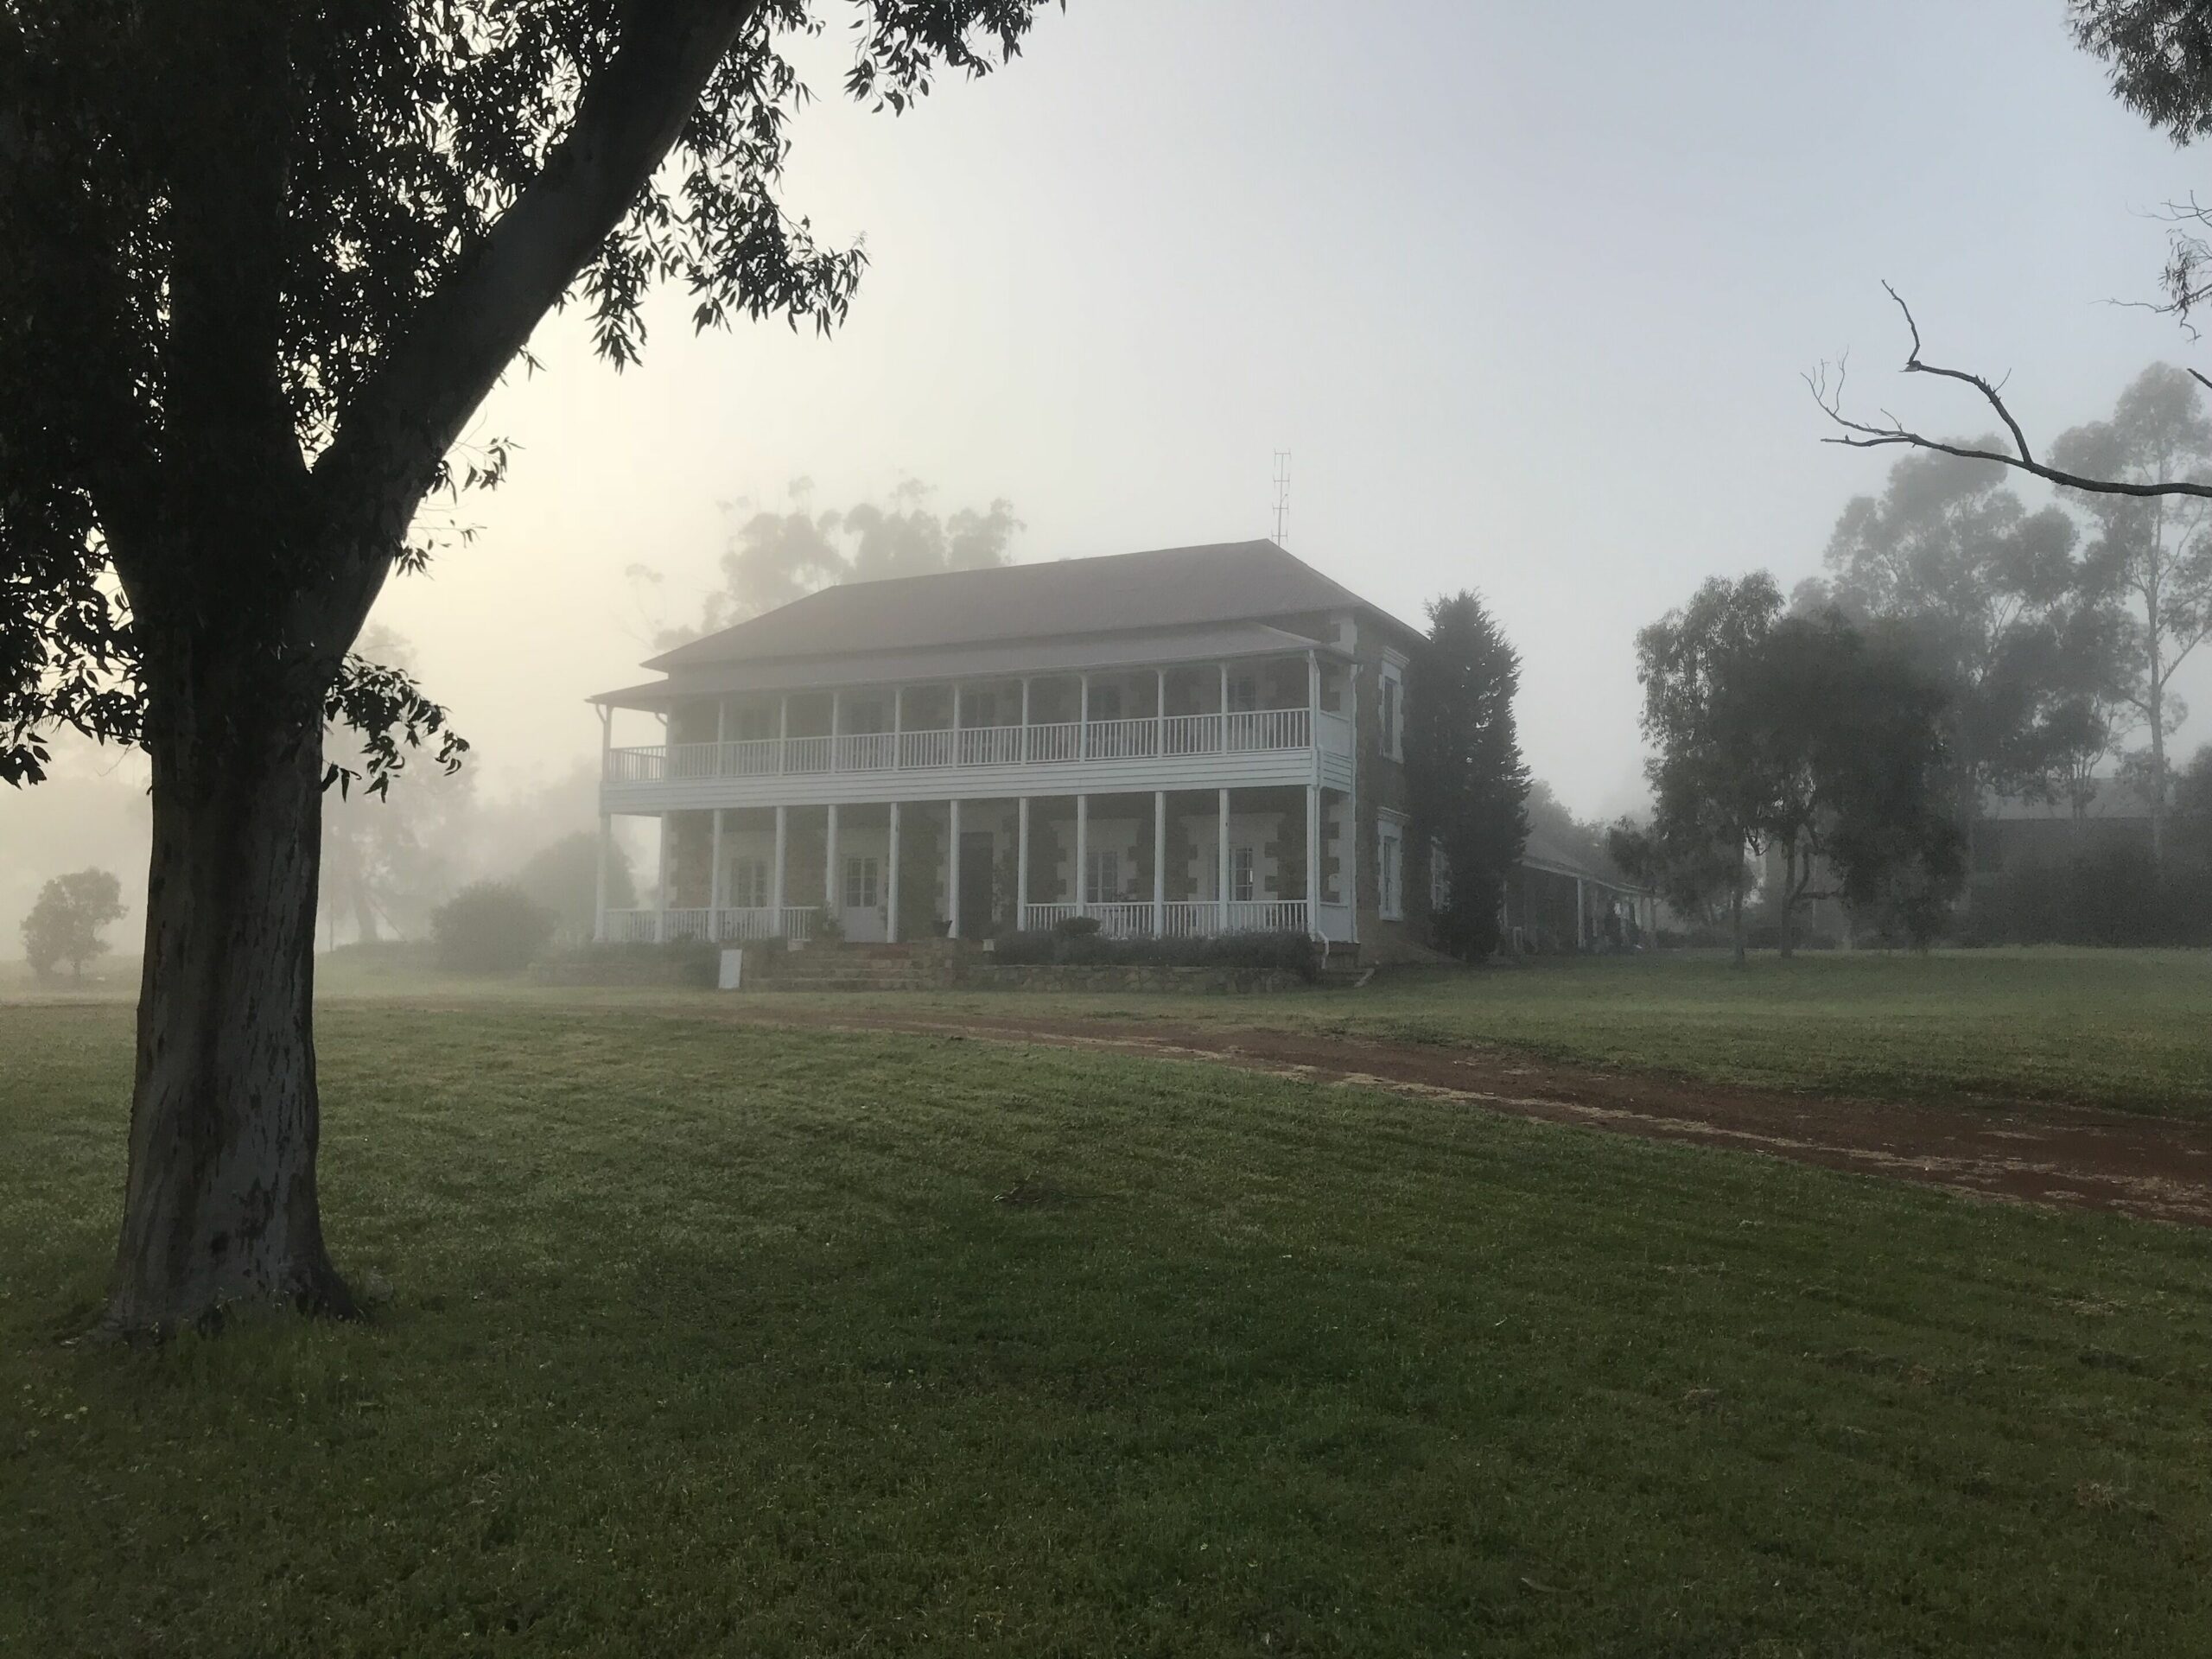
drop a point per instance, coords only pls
(977, 908)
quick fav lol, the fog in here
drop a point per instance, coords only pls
(1527, 292)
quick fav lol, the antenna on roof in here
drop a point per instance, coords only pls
(1282, 496)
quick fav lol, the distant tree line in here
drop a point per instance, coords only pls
(1963, 649)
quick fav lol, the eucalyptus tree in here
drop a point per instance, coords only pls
(259, 265)
(2154, 552)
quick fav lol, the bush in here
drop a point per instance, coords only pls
(2116, 897)
(1286, 953)
(491, 927)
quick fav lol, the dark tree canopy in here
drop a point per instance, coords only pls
(263, 262)
(1463, 767)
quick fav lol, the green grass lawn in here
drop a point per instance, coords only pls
(712, 1339)
(2123, 1028)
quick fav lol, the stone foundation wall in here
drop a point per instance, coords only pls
(1056, 977)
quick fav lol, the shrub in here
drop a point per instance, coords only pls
(1286, 952)
(2115, 897)
(491, 927)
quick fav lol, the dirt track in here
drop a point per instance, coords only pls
(2154, 1168)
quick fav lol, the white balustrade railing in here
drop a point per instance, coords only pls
(1060, 741)
(1120, 740)
(1045, 916)
(990, 746)
(697, 925)
(1267, 728)
(925, 749)
(1196, 920)
(1146, 737)
(1265, 916)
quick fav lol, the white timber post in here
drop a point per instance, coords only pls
(721, 731)
(715, 879)
(891, 924)
(1313, 705)
(1160, 713)
(776, 897)
(1082, 726)
(1158, 863)
(1021, 843)
(783, 733)
(599, 896)
(829, 894)
(837, 721)
(1221, 900)
(1082, 852)
(952, 851)
(1025, 736)
(1224, 708)
(660, 886)
(1581, 911)
(898, 729)
(1314, 858)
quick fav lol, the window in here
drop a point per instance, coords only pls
(1103, 881)
(1390, 849)
(748, 884)
(1105, 702)
(1393, 712)
(1242, 887)
(863, 883)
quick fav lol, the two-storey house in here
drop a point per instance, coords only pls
(1192, 741)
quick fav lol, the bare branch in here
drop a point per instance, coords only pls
(1892, 432)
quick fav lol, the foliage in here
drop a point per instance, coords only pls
(563, 878)
(1682, 856)
(1259, 952)
(2107, 897)
(776, 557)
(2154, 554)
(1464, 771)
(1984, 594)
(64, 925)
(1710, 796)
(491, 927)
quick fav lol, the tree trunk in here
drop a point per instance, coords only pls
(1789, 899)
(2158, 764)
(1736, 918)
(221, 1207)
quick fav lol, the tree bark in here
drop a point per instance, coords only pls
(221, 1207)
(1789, 887)
(1736, 918)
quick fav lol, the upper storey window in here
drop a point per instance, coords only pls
(1393, 712)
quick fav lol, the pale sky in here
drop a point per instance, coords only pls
(1526, 289)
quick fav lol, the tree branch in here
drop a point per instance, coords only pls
(385, 453)
(1864, 435)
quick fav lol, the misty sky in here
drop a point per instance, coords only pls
(1526, 289)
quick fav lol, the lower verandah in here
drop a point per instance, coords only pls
(1141, 864)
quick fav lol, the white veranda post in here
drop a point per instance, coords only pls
(776, 880)
(660, 885)
(1221, 876)
(1312, 858)
(1082, 852)
(1158, 863)
(1021, 845)
(952, 867)
(829, 897)
(891, 881)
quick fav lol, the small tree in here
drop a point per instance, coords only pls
(563, 878)
(491, 927)
(1463, 764)
(65, 925)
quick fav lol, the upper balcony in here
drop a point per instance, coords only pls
(994, 739)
